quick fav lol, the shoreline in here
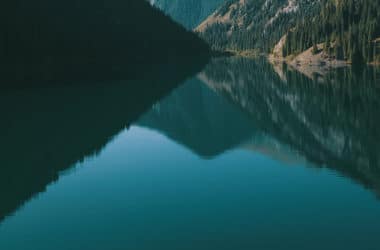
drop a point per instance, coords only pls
(312, 66)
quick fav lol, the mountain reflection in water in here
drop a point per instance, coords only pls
(46, 130)
(234, 105)
(331, 120)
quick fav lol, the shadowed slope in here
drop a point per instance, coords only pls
(58, 41)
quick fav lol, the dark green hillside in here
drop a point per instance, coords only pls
(63, 40)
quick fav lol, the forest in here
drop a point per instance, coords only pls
(253, 24)
(349, 30)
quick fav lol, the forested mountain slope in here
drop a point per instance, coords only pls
(350, 29)
(62, 40)
(248, 24)
(332, 121)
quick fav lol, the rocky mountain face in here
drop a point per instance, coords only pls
(189, 13)
(248, 24)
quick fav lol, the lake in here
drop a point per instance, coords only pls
(242, 155)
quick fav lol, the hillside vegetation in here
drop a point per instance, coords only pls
(349, 29)
(253, 24)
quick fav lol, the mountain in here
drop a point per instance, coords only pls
(253, 24)
(322, 119)
(52, 41)
(350, 29)
(189, 13)
(73, 75)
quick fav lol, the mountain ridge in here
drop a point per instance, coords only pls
(248, 24)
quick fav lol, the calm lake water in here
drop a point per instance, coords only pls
(244, 155)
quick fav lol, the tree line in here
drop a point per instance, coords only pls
(348, 29)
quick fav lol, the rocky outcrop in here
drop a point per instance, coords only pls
(311, 62)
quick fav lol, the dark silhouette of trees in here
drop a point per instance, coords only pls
(45, 40)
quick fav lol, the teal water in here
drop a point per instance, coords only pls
(237, 157)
